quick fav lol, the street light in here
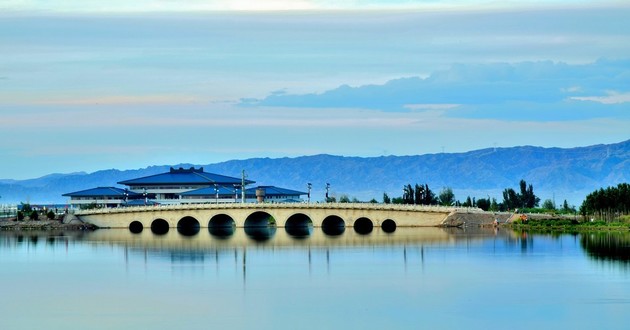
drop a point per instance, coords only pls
(309, 186)
(216, 190)
(144, 193)
(327, 190)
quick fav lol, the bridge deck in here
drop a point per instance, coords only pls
(241, 215)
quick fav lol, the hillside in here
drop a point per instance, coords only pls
(554, 172)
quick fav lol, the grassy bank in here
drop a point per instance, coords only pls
(622, 224)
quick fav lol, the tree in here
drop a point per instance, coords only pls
(548, 205)
(50, 215)
(446, 197)
(510, 199)
(607, 204)
(386, 199)
(344, 199)
(34, 215)
(419, 194)
(408, 195)
(483, 204)
(494, 206)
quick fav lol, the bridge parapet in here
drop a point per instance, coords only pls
(297, 206)
(317, 214)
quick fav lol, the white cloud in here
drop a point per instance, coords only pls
(613, 97)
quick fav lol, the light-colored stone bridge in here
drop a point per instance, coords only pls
(359, 215)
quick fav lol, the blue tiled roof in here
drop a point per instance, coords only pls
(102, 192)
(275, 191)
(210, 191)
(185, 176)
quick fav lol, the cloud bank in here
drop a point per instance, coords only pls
(541, 90)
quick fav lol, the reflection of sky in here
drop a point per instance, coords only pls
(125, 81)
(476, 281)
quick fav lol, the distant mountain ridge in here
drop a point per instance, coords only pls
(554, 172)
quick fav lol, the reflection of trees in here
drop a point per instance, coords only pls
(607, 246)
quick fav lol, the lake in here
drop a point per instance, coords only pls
(432, 278)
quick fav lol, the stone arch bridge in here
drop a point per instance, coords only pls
(357, 215)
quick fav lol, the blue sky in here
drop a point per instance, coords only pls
(89, 85)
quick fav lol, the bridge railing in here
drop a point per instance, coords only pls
(259, 206)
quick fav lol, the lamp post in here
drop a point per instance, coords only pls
(309, 186)
(144, 193)
(327, 190)
(216, 190)
(126, 196)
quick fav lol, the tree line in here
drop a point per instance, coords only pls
(525, 198)
(607, 204)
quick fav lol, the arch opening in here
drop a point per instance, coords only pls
(136, 227)
(260, 219)
(260, 234)
(188, 226)
(388, 226)
(260, 226)
(221, 226)
(299, 226)
(363, 226)
(333, 225)
(159, 226)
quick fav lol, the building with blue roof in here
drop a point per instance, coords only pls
(183, 186)
(168, 187)
(104, 196)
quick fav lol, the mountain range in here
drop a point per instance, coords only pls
(555, 173)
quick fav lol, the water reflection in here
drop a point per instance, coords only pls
(260, 234)
(299, 232)
(607, 246)
(221, 232)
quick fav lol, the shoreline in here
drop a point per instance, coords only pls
(43, 225)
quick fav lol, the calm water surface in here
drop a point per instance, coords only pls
(427, 278)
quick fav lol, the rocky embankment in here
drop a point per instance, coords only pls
(24, 225)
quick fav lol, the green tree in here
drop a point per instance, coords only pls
(607, 204)
(483, 204)
(446, 197)
(34, 215)
(548, 205)
(20, 215)
(50, 215)
(419, 195)
(511, 200)
(26, 208)
(494, 206)
(344, 199)
(386, 199)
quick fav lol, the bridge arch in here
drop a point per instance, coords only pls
(333, 225)
(188, 226)
(259, 219)
(159, 226)
(388, 226)
(136, 227)
(221, 220)
(221, 226)
(299, 225)
(363, 226)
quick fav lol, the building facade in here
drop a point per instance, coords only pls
(183, 186)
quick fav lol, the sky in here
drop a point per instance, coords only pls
(90, 85)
